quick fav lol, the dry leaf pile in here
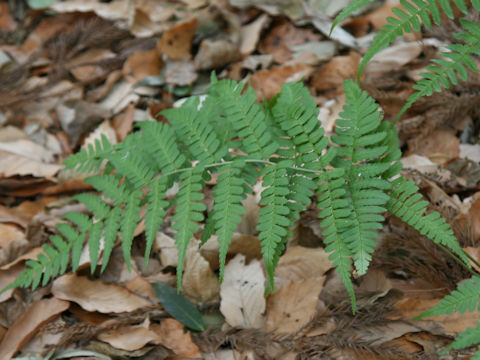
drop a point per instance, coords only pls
(80, 69)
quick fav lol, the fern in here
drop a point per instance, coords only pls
(232, 136)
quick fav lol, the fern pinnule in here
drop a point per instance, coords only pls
(466, 339)
(156, 210)
(227, 208)
(110, 234)
(188, 213)
(94, 238)
(95, 204)
(457, 63)
(347, 11)
(193, 128)
(246, 116)
(91, 158)
(130, 218)
(131, 164)
(111, 186)
(160, 142)
(274, 222)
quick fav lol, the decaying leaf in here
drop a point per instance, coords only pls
(242, 293)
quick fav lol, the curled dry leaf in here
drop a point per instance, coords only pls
(293, 305)
(38, 314)
(130, 338)
(242, 293)
(96, 295)
(199, 283)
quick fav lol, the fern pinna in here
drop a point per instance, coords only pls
(230, 134)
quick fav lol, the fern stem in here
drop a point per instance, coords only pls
(456, 259)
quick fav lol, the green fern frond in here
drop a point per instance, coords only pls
(405, 203)
(130, 218)
(94, 244)
(347, 11)
(110, 185)
(91, 158)
(188, 213)
(227, 208)
(359, 155)
(273, 222)
(445, 72)
(246, 116)
(132, 165)
(94, 204)
(194, 129)
(112, 225)
(416, 12)
(156, 210)
(160, 142)
(469, 337)
(465, 298)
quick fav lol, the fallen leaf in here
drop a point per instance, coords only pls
(301, 263)
(199, 283)
(175, 338)
(140, 64)
(130, 338)
(216, 53)
(94, 295)
(176, 42)
(428, 146)
(471, 152)
(269, 82)
(293, 305)
(91, 72)
(330, 77)
(250, 34)
(38, 314)
(393, 57)
(242, 293)
(180, 72)
(7, 22)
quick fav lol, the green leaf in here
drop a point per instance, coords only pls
(179, 307)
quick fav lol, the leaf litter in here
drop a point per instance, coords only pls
(76, 70)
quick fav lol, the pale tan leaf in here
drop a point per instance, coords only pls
(242, 293)
(174, 337)
(130, 338)
(250, 34)
(199, 283)
(94, 295)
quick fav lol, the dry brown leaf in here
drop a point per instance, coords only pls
(46, 30)
(293, 305)
(199, 283)
(142, 287)
(362, 25)
(140, 64)
(91, 72)
(216, 53)
(175, 338)
(393, 57)
(269, 82)
(130, 338)
(430, 148)
(7, 22)
(301, 263)
(242, 293)
(330, 77)
(123, 123)
(96, 295)
(176, 42)
(180, 72)
(281, 37)
(38, 314)
(451, 324)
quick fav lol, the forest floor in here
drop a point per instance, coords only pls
(78, 69)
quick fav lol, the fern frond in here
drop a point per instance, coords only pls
(130, 218)
(91, 158)
(188, 213)
(246, 116)
(130, 164)
(156, 210)
(465, 298)
(348, 10)
(110, 186)
(227, 208)
(359, 155)
(414, 14)
(334, 214)
(405, 203)
(94, 204)
(273, 222)
(94, 244)
(110, 232)
(160, 141)
(194, 129)
(470, 337)
(445, 72)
